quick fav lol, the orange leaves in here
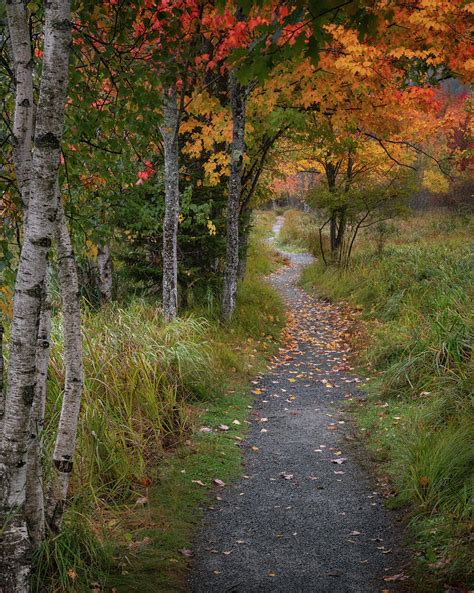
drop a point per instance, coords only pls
(6, 301)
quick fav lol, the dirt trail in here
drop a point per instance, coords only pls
(305, 517)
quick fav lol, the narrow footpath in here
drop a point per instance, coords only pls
(305, 517)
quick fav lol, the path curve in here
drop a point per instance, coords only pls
(305, 517)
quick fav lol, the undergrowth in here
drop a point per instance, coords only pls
(298, 232)
(416, 294)
(149, 386)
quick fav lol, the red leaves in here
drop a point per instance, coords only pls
(146, 174)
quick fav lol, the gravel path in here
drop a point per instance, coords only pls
(305, 517)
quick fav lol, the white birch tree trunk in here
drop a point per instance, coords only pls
(34, 504)
(237, 101)
(73, 361)
(104, 265)
(15, 545)
(22, 132)
(169, 132)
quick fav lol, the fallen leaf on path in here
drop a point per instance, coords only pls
(287, 476)
(218, 482)
(186, 552)
(339, 460)
(395, 577)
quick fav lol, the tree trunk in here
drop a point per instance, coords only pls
(237, 101)
(243, 244)
(331, 181)
(34, 504)
(169, 132)
(340, 216)
(342, 212)
(22, 136)
(15, 548)
(104, 265)
(71, 406)
(333, 231)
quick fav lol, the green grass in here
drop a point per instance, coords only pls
(176, 503)
(298, 233)
(416, 298)
(149, 387)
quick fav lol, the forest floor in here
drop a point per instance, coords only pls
(307, 515)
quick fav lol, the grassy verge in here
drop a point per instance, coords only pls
(297, 233)
(143, 467)
(416, 297)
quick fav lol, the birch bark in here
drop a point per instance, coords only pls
(237, 101)
(34, 504)
(169, 132)
(15, 544)
(104, 265)
(67, 430)
(22, 133)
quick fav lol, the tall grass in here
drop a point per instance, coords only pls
(417, 297)
(299, 232)
(146, 382)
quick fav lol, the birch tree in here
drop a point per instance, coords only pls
(42, 173)
(104, 268)
(67, 431)
(169, 132)
(237, 101)
(34, 504)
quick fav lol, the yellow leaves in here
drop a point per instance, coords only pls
(91, 249)
(93, 181)
(469, 65)
(215, 167)
(211, 227)
(435, 182)
(431, 56)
